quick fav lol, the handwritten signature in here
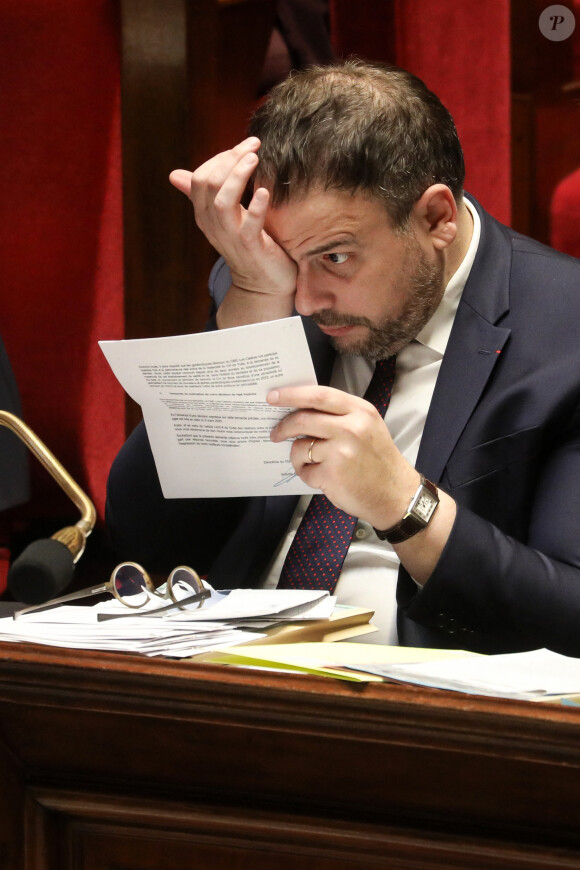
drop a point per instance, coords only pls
(287, 476)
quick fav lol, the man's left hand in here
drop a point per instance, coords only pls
(353, 459)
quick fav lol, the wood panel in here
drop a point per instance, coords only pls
(545, 117)
(190, 74)
(135, 763)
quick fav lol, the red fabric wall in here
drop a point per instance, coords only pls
(565, 215)
(61, 230)
(565, 203)
(462, 52)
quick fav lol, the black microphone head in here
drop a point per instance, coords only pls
(41, 572)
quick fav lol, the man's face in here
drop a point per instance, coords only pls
(370, 290)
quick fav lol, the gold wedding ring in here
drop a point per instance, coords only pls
(310, 459)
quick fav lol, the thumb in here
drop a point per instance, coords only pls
(181, 179)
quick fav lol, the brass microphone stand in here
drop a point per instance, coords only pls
(74, 537)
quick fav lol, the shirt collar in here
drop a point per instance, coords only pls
(435, 334)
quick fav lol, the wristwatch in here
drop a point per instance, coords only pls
(418, 516)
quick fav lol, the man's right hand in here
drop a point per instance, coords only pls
(257, 264)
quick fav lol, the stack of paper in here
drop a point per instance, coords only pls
(539, 675)
(226, 618)
(345, 661)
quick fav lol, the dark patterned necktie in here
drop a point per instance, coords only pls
(319, 548)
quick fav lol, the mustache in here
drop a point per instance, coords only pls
(334, 320)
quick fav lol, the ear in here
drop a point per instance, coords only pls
(435, 214)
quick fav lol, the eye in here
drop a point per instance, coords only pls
(338, 259)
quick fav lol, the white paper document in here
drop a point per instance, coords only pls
(533, 676)
(203, 398)
(225, 619)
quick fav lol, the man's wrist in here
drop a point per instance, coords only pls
(260, 292)
(241, 306)
(417, 517)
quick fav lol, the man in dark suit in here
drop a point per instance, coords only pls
(470, 492)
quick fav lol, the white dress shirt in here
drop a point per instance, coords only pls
(369, 575)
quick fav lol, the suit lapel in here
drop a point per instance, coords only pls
(468, 363)
(473, 350)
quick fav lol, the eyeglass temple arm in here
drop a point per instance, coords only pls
(190, 599)
(72, 596)
(73, 537)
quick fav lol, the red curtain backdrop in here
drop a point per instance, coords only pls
(462, 52)
(61, 229)
(565, 204)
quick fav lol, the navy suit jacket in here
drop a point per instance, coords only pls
(502, 437)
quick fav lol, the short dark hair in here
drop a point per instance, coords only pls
(357, 127)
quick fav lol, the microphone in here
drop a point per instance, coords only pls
(46, 566)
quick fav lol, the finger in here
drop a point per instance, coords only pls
(301, 462)
(311, 474)
(181, 179)
(228, 159)
(211, 175)
(326, 399)
(255, 216)
(252, 143)
(227, 200)
(307, 451)
(306, 425)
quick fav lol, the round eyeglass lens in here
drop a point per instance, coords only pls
(131, 586)
(183, 583)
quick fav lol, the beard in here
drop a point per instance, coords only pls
(424, 292)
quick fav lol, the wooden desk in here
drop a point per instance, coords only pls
(111, 761)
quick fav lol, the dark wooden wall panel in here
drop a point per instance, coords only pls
(190, 75)
(545, 116)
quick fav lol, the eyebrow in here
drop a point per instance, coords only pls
(330, 246)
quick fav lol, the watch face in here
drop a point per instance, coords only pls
(425, 505)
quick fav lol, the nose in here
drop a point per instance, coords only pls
(311, 293)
